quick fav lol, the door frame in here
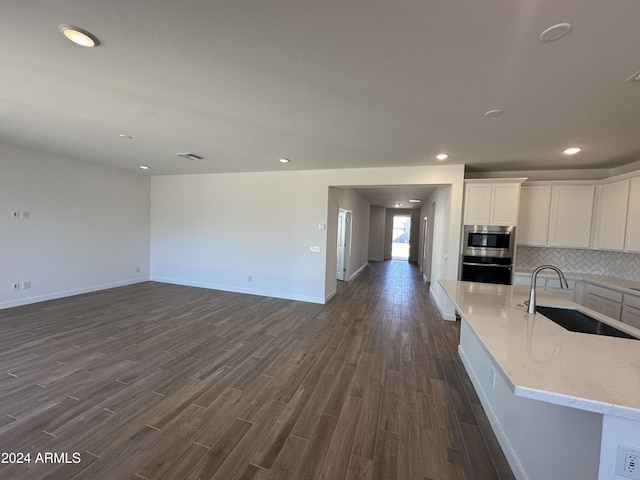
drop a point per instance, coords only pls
(344, 227)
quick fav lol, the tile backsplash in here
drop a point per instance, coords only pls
(599, 262)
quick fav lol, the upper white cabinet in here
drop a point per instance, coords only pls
(632, 240)
(570, 215)
(491, 202)
(611, 215)
(533, 219)
(477, 203)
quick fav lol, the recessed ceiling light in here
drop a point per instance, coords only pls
(555, 32)
(79, 36)
(572, 150)
(442, 156)
(144, 167)
(413, 200)
(283, 160)
(493, 113)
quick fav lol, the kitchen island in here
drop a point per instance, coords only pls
(559, 402)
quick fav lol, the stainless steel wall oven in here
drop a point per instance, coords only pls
(488, 253)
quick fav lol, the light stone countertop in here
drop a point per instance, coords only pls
(543, 361)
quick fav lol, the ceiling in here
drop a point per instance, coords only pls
(396, 196)
(327, 84)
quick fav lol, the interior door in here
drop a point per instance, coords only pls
(341, 244)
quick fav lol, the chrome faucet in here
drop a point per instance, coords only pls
(534, 277)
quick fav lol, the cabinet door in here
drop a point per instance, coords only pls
(505, 198)
(611, 309)
(533, 220)
(604, 306)
(593, 302)
(631, 316)
(477, 204)
(570, 215)
(632, 241)
(611, 215)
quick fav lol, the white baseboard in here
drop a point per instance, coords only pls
(68, 293)
(358, 272)
(234, 289)
(443, 313)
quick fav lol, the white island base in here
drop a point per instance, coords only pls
(546, 421)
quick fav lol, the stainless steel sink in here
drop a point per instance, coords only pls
(576, 321)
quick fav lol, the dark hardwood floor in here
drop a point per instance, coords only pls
(157, 381)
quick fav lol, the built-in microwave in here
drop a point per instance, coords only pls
(489, 241)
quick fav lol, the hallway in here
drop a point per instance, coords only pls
(159, 381)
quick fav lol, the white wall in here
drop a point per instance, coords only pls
(217, 230)
(349, 199)
(424, 261)
(247, 232)
(446, 248)
(88, 226)
(377, 233)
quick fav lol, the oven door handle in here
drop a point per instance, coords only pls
(486, 265)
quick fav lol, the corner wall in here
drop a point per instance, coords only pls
(253, 232)
(376, 233)
(87, 227)
(348, 199)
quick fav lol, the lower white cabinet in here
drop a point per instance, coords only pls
(631, 316)
(631, 310)
(603, 306)
(550, 284)
(605, 301)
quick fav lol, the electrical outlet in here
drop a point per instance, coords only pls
(26, 284)
(628, 462)
(631, 463)
(15, 286)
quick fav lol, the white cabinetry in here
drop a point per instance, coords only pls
(477, 203)
(551, 284)
(611, 215)
(533, 219)
(632, 240)
(491, 203)
(631, 310)
(603, 300)
(570, 215)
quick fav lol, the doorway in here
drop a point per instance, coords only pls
(427, 248)
(344, 244)
(400, 237)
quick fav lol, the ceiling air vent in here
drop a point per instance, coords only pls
(189, 156)
(634, 78)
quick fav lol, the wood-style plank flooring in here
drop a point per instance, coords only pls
(157, 381)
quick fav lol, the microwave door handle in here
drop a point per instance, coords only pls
(486, 265)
